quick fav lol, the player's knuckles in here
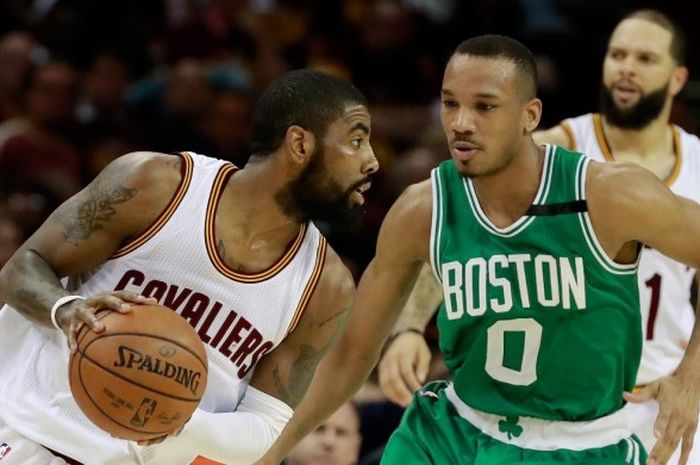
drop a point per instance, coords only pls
(129, 296)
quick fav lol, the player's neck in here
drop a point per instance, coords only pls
(506, 195)
(248, 204)
(654, 139)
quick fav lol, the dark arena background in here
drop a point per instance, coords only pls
(98, 79)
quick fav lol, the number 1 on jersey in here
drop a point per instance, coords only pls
(654, 283)
(495, 350)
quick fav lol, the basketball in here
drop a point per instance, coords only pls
(143, 376)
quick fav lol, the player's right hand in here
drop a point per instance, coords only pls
(73, 315)
(404, 367)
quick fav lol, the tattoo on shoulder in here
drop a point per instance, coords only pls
(95, 207)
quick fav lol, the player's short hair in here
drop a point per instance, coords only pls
(498, 46)
(306, 98)
(679, 42)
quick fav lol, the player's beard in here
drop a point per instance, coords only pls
(316, 196)
(637, 116)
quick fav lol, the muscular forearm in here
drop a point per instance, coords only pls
(422, 303)
(339, 375)
(29, 285)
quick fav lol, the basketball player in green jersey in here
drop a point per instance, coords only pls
(643, 71)
(537, 250)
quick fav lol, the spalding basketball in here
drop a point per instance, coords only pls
(143, 376)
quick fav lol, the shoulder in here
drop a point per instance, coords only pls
(144, 169)
(332, 297)
(151, 176)
(558, 135)
(569, 132)
(622, 194)
(405, 232)
(141, 183)
(621, 179)
(416, 201)
(336, 282)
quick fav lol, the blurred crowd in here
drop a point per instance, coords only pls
(83, 82)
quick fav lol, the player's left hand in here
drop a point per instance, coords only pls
(677, 421)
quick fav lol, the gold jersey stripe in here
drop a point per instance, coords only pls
(569, 135)
(166, 214)
(210, 238)
(311, 284)
(600, 136)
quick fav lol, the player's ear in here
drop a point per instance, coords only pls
(300, 144)
(532, 115)
(678, 80)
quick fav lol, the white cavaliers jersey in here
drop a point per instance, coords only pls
(239, 317)
(664, 284)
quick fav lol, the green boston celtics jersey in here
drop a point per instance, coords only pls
(536, 320)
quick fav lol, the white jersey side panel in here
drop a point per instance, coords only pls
(239, 317)
(664, 284)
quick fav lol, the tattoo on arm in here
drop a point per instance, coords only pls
(304, 367)
(333, 317)
(299, 377)
(95, 207)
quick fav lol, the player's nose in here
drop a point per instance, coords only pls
(370, 164)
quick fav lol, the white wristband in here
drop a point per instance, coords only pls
(59, 303)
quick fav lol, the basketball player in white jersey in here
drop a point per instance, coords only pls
(642, 73)
(234, 251)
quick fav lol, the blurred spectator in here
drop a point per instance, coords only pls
(226, 127)
(107, 130)
(16, 50)
(393, 64)
(336, 442)
(172, 107)
(36, 147)
(10, 237)
(27, 205)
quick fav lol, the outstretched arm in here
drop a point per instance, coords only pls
(629, 204)
(401, 246)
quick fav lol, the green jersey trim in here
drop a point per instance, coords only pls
(524, 221)
(589, 234)
(436, 225)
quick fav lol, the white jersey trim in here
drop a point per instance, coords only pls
(436, 224)
(589, 233)
(524, 221)
(547, 435)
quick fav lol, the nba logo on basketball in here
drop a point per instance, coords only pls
(4, 450)
(144, 412)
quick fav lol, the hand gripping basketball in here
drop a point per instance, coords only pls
(73, 315)
(142, 376)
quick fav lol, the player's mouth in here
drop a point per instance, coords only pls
(357, 193)
(625, 92)
(464, 150)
